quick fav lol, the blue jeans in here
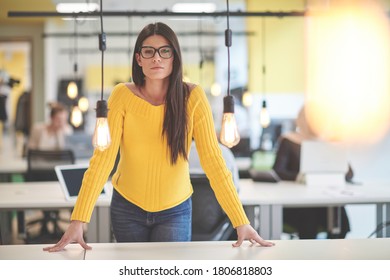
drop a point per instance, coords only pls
(133, 224)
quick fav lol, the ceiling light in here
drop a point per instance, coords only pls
(77, 7)
(194, 8)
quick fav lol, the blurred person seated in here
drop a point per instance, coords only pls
(51, 135)
(308, 221)
(38, 226)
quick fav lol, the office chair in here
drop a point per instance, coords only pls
(40, 167)
(209, 221)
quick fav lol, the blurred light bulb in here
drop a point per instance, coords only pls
(76, 118)
(101, 139)
(72, 90)
(247, 99)
(83, 104)
(229, 133)
(215, 89)
(347, 77)
(265, 119)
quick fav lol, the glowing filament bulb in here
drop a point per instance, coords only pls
(101, 137)
(229, 133)
(265, 119)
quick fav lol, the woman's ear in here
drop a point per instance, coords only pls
(138, 58)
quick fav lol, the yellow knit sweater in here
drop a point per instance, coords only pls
(144, 175)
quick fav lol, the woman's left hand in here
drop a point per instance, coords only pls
(247, 232)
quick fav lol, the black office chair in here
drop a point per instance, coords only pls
(209, 221)
(40, 167)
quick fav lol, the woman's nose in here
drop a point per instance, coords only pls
(156, 56)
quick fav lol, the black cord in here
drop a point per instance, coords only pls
(263, 55)
(102, 46)
(228, 43)
(200, 47)
(75, 66)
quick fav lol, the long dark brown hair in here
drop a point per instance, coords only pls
(175, 117)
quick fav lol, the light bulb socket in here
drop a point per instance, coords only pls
(75, 68)
(228, 104)
(228, 37)
(264, 105)
(101, 109)
(102, 41)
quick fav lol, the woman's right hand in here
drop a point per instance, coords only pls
(74, 234)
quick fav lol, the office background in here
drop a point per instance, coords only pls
(32, 50)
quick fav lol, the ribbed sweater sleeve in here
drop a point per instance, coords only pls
(102, 162)
(211, 158)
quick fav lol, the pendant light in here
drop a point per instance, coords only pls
(83, 104)
(76, 116)
(101, 137)
(229, 133)
(247, 99)
(72, 90)
(265, 119)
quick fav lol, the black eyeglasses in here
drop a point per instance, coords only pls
(149, 52)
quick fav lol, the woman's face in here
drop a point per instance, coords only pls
(59, 120)
(154, 66)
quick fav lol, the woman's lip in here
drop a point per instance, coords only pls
(158, 67)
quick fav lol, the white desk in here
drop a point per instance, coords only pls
(35, 252)
(272, 197)
(223, 250)
(48, 195)
(327, 249)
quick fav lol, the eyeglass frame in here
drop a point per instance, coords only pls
(156, 50)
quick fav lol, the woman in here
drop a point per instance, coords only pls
(308, 222)
(153, 122)
(51, 136)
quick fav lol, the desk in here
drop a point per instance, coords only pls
(329, 249)
(272, 197)
(35, 252)
(335, 249)
(48, 195)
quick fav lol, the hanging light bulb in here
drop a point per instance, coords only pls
(265, 120)
(101, 136)
(101, 139)
(76, 118)
(247, 99)
(72, 90)
(229, 133)
(215, 89)
(83, 104)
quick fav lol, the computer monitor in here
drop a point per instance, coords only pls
(323, 163)
(323, 157)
